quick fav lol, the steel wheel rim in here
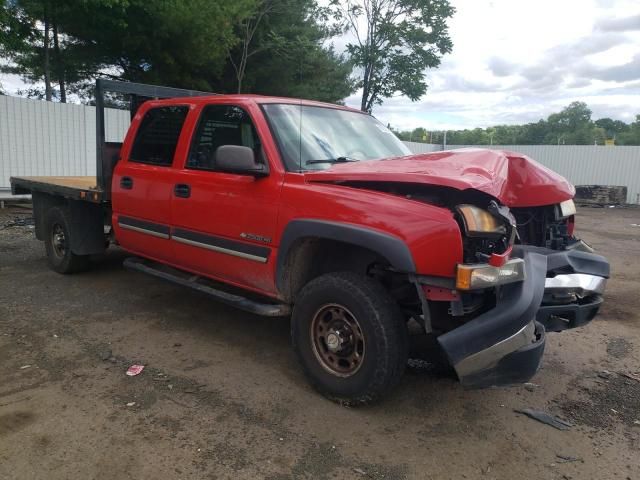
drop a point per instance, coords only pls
(58, 240)
(337, 340)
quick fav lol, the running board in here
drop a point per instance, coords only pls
(199, 283)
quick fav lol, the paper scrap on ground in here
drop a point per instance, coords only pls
(134, 370)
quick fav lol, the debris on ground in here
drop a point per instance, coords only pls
(632, 376)
(545, 418)
(360, 471)
(25, 367)
(606, 374)
(131, 404)
(19, 222)
(530, 386)
(567, 458)
(105, 354)
(134, 370)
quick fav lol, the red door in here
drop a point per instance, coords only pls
(223, 224)
(142, 185)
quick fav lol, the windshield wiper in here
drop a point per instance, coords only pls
(333, 160)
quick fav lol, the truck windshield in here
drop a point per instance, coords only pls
(314, 138)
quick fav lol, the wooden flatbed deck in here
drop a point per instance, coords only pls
(77, 188)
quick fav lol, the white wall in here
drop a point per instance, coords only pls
(46, 138)
(580, 164)
(416, 147)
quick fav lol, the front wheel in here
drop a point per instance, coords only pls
(350, 337)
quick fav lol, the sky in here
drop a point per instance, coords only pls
(517, 61)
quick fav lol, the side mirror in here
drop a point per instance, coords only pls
(240, 160)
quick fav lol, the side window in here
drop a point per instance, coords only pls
(221, 125)
(157, 136)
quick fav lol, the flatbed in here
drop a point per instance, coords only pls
(74, 188)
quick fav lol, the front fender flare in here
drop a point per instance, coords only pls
(388, 246)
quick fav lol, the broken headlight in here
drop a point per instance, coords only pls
(480, 223)
(567, 208)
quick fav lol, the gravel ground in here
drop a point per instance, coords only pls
(222, 396)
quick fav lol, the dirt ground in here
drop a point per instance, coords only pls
(222, 396)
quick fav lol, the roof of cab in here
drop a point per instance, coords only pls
(260, 99)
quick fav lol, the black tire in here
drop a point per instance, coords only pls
(382, 333)
(57, 236)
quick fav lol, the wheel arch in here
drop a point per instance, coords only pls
(303, 240)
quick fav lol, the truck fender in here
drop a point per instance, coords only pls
(388, 246)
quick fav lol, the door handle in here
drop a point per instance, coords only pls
(126, 183)
(182, 190)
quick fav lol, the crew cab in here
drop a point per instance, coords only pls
(286, 207)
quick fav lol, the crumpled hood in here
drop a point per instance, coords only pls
(513, 178)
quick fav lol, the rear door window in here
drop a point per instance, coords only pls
(157, 135)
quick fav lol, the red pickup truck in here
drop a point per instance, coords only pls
(291, 207)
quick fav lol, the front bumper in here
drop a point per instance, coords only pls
(505, 344)
(557, 318)
(574, 286)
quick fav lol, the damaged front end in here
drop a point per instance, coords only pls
(488, 329)
(504, 344)
(576, 276)
(508, 295)
(522, 271)
(574, 287)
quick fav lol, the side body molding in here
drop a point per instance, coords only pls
(388, 246)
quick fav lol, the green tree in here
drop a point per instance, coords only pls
(70, 42)
(632, 134)
(571, 126)
(265, 46)
(182, 43)
(395, 41)
(25, 42)
(533, 133)
(611, 127)
(419, 135)
(287, 55)
(33, 40)
(573, 117)
(247, 45)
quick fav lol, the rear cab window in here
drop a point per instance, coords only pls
(157, 136)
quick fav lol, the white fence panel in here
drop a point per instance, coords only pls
(580, 164)
(46, 138)
(417, 147)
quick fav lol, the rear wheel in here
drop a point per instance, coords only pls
(350, 337)
(57, 243)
